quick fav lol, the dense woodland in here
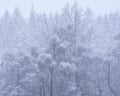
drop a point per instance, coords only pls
(71, 53)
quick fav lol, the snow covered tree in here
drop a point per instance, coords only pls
(19, 76)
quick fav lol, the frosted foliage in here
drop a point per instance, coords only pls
(65, 44)
(67, 65)
(70, 53)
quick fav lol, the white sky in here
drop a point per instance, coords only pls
(51, 6)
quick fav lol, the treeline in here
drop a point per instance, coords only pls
(60, 54)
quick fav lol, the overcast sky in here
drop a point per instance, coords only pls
(51, 6)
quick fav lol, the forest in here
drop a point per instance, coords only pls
(69, 53)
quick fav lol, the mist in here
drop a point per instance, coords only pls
(59, 48)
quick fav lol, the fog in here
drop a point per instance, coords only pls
(75, 51)
(51, 6)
